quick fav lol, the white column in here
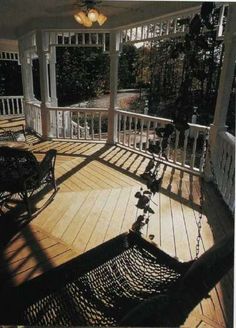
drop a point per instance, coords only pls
(27, 74)
(30, 77)
(52, 68)
(42, 51)
(225, 85)
(114, 61)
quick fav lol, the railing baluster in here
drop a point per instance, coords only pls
(100, 126)
(17, 106)
(63, 124)
(176, 146)
(141, 136)
(3, 107)
(12, 105)
(186, 134)
(130, 130)
(135, 131)
(147, 135)
(119, 127)
(57, 127)
(193, 155)
(71, 125)
(22, 106)
(85, 125)
(124, 129)
(92, 126)
(8, 107)
(155, 135)
(78, 125)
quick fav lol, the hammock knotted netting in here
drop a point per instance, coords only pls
(107, 286)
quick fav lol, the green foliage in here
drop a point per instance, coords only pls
(127, 67)
(82, 74)
(10, 78)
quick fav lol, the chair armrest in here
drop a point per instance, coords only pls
(6, 135)
(16, 132)
(48, 162)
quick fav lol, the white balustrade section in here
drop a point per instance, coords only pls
(224, 168)
(137, 131)
(9, 56)
(33, 117)
(11, 105)
(79, 123)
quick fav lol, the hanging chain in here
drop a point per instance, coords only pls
(199, 221)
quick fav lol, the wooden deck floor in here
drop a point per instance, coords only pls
(96, 202)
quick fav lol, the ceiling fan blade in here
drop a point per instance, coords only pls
(70, 7)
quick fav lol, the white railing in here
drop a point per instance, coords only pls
(78, 123)
(11, 105)
(33, 117)
(224, 168)
(137, 131)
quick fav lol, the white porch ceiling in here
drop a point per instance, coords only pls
(19, 16)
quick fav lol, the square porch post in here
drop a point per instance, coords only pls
(224, 90)
(114, 61)
(26, 73)
(42, 51)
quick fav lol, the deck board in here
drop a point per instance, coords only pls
(96, 202)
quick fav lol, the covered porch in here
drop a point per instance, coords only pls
(98, 171)
(96, 202)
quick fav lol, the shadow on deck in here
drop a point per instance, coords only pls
(96, 202)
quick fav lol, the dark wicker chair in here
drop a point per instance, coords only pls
(126, 281)
(22, 174)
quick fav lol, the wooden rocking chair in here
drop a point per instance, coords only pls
(22, 174)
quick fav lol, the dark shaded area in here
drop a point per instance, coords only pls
(145, 283)
(36, 79)
(10, 78)
(82, 74)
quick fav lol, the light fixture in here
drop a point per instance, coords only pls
(89, 16)
(80, 17)
(93, 15)
(101, 19)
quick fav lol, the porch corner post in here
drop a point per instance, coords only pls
(42, 52)
(114, 61)
(224, 90)
(27, 74)
(52, 68)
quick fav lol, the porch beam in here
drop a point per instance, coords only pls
(114, 61)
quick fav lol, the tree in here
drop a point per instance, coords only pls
(127, 67)
(10, 78)
(82, 73)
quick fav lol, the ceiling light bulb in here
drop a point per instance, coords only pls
(80, 17)
(101, 19)
(87, 22)
(93, 15)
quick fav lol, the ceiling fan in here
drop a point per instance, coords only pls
(89, 14)
(85, 12)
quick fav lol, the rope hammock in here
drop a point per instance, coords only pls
(126, 281)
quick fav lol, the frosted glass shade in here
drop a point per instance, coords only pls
(101, 19)
(80, 17)
(93, 15)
